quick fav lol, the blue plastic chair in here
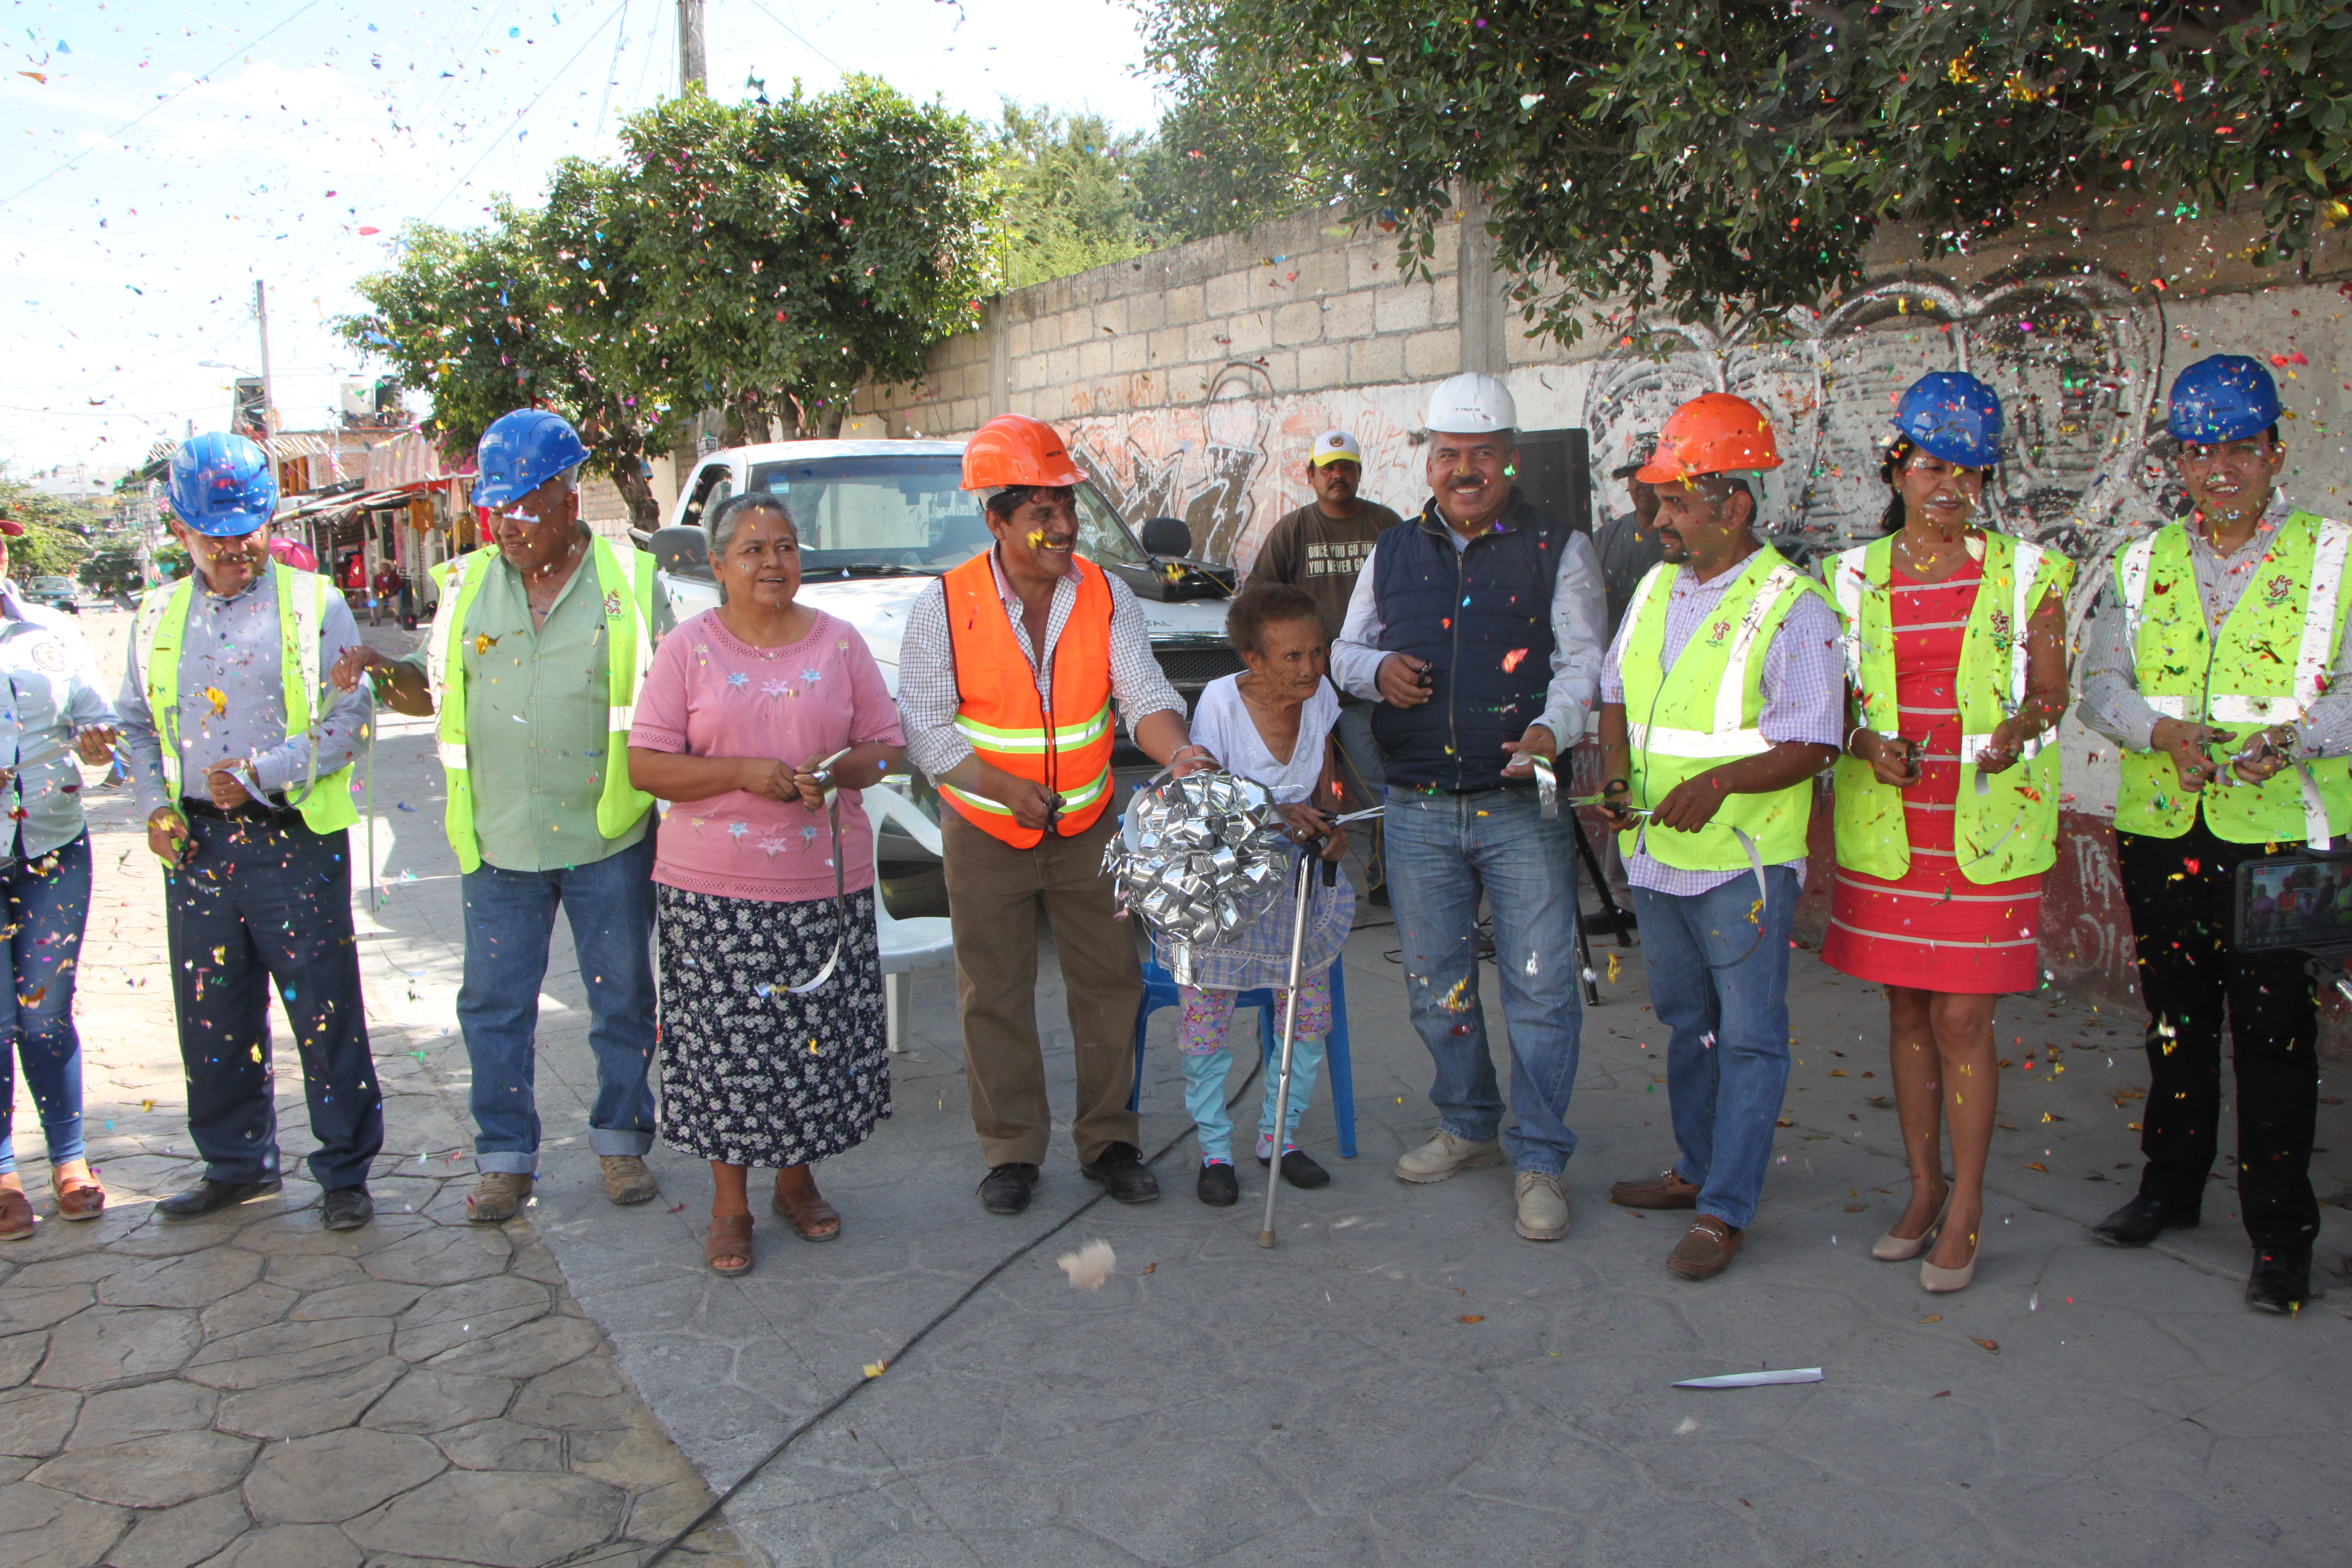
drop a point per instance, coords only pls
(1160, 991)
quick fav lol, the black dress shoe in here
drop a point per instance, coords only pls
(1218, 1186)
(1300, 1169)
(1007, 1189)
(1598, 923)
(346, 1208)
(2142, 1220)
(1120, 1170)
(2281, 1281)
(209, 1197)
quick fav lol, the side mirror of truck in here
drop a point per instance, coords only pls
(1168, 536)
(681, 553)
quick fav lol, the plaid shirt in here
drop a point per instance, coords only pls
(1804, 699)
(927, 676)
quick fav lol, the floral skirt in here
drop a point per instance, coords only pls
(751, 1074)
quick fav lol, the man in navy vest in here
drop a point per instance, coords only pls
(1478, 627)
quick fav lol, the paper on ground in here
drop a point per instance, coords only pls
(1090, 1266)
(1754, 1379)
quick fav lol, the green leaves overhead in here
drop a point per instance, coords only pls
(1693, 157)
(762, 258)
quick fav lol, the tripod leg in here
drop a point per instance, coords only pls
(1600, 884)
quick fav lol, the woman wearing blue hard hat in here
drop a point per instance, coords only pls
(2217, 663)
(1946, 799)
(244, 769)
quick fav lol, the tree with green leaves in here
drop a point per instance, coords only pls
(1737, 156)
(57, 533)
(1066, 185)
(762, 258)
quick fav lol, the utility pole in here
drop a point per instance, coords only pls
(691, 74)
(269, 393)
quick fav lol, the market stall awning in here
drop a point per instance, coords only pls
(408, 461)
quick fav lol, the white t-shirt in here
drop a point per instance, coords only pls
(1222, 723)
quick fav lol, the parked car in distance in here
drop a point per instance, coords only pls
(879, 519)
(54, 593)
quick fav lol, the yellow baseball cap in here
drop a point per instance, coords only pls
(1338, 446)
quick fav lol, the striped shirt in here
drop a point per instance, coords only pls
(1804, 699)
(926, 677)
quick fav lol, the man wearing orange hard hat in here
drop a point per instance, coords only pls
(1722, 696)
(1007, 675)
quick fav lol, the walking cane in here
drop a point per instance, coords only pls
(1311, 853)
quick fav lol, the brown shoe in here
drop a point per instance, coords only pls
(16, 1220)
(797, 1200)
(627, 1180)
(498, 1197)
(78, 1196)
(1706, 1249)
(1662, 1192)
(727, 1247)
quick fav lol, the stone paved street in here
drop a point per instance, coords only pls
(250, 1391)
(1401, 1380)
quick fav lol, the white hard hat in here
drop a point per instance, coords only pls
(1471, 405)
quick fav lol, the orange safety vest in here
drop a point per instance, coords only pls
(1067, 748)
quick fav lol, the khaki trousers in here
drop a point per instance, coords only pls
(993, 894)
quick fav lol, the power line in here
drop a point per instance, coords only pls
(796, 33)
(230, 57)
(609, 18)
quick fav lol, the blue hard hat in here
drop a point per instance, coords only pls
(1953, 416)
(223, 485)
(2223, 397)
(521, 451)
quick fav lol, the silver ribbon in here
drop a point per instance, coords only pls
(1195, 854)
(1547, 788)
(823, 773)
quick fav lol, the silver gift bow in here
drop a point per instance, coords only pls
(1195, 854)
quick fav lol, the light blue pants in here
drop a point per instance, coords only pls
(1204, 1097)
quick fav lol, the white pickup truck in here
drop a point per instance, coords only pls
(878, 520)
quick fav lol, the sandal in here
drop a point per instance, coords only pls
(812, 1218)
(728, 1248)
(16, 1214)
(79, 1197)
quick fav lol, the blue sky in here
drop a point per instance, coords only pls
(174, 152)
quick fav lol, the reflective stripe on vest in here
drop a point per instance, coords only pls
(1722, 680)
(2241, 812)
(627, 591)
(159, 634)
(2007, 825)
(1000, 712)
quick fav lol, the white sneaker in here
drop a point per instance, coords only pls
(1543, 1205)
(1443, 1154)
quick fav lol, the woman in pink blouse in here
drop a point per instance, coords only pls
(741, 705)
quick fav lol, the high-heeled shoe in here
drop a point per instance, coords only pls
(1944, 1281)
(1894, 1249)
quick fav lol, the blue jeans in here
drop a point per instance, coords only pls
(1728, 1061)
(1441, 850)
(510, 915)
(48, 904)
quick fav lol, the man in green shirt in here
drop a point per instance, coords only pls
(534, 660)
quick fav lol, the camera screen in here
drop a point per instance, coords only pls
(2294, 902)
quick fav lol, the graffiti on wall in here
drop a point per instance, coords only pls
(2075, 353)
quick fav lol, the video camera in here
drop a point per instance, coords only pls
(2300, 901)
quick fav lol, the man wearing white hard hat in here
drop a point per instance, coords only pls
(1477, 626)
(1321, 548)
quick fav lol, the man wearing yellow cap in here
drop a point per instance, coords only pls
(1320, 548)
(1007, 674)
(1721, 697)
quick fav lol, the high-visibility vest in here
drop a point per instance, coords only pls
(1704, 711)
(1065, 748)
(160, 633)
(628, 589)
(2241, 680)
(2008, 830)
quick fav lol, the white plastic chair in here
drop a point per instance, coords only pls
(925, 941)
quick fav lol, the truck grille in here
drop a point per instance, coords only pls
(1190, 668)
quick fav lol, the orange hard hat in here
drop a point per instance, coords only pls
(1014, 449)
(1714, 433)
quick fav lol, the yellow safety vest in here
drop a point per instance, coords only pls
(2008, 830)
(2268, 665)
(161, 631)
(629, 644)
(1703, 713)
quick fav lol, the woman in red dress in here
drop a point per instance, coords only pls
(1946, 801)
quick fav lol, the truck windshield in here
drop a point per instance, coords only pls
(907, 513)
